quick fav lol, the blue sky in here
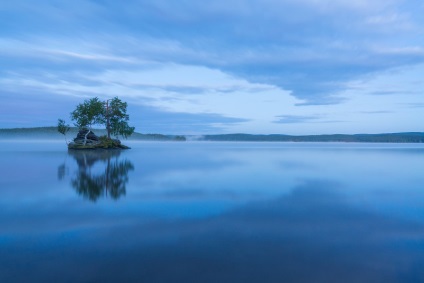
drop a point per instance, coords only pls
(199, 67)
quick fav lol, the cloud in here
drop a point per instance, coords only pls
(253, 48)
(377, 112)
(214, 58)
(297, 119)
(385, 92)
(163, 106)
(288, 119)
(415, 105)
(296, 46)
(33, 108)
(60, 50)
(154, 120)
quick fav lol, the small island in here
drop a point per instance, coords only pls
(111, 113)
(86, 139)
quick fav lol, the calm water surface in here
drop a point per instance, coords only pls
(212, 212)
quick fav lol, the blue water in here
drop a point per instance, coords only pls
(212, 212)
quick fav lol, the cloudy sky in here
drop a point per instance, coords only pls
(197, 67)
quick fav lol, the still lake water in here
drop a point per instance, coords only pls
(212, 212)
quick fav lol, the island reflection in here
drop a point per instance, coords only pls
(100, 173)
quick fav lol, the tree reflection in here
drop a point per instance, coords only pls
(100, 174)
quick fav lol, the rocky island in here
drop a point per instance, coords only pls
(111, 113)
(86, 139)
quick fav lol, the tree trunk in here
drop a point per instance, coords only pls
(107, 119)
(86, 135)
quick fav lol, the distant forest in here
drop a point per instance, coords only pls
(52, 133)
(414, 137)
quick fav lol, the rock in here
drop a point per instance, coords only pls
(92, 139)
(94, 142)
(91, 136)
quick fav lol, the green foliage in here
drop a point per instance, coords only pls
(106, 142)
(116, 118)
(89, 113)
(112, 114)
(62, 127)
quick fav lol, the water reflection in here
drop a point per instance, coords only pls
(205, 212)
(313, 234)
(99, 174)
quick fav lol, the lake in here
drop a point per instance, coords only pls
(212, 212)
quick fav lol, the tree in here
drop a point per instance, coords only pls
(63, 128)
(111, 113)
(116, 118)
(87, 114)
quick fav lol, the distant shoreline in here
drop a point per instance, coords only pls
(52, 133)
(415, 137)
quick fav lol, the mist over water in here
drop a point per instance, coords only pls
(212, 212)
